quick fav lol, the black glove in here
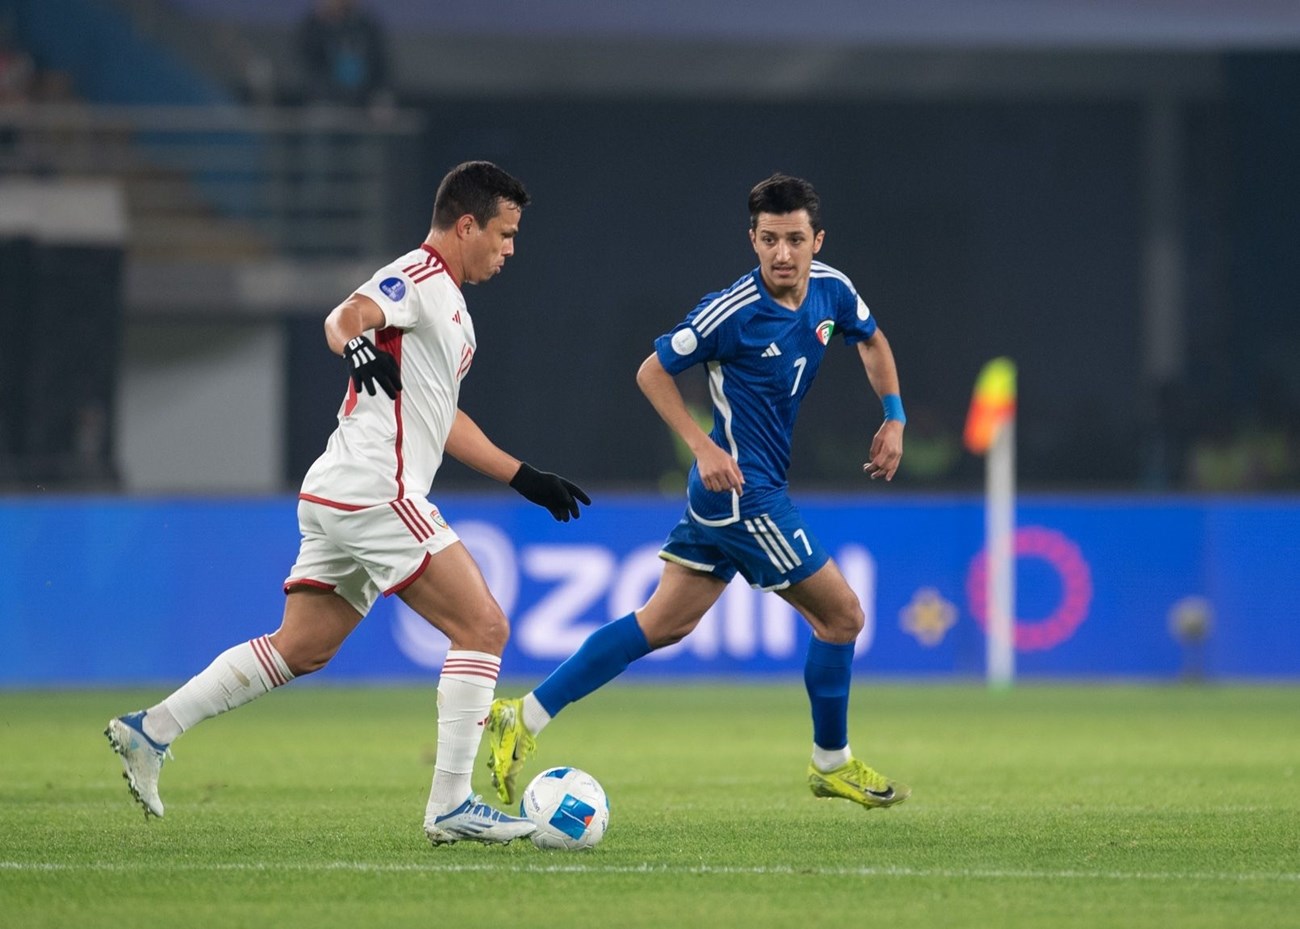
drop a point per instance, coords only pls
(369, 366)
(549, 490)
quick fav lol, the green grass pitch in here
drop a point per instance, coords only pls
(1048, 806)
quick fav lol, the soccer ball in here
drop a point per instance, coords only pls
(569, 807)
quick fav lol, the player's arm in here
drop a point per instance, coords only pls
(355, 315)
(367, 365)
(882, 373)
(718, 470)
(469, 445)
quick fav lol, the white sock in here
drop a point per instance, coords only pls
(535, 716)
(237, 676)
(828, 759)
(465, 689)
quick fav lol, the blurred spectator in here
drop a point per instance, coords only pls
(934, 448)
(16, 72)
(344, 55)
(54, 87)
(15, 87)
(345, 64)
(1251, 458)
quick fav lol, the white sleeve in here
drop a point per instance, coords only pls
(395, 294)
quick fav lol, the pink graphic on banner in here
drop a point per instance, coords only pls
(1065, 558)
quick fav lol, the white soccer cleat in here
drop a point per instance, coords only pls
(142, 759)
(474, 821)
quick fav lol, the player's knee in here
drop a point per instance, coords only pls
(302, 659)
(308, 666)
(858, 619)
(665, 638)
(845, 623)
(662, 633)
(487, 632)
(496, 632)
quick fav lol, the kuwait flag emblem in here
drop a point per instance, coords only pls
(824, 330)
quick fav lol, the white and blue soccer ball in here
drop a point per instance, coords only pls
(569, 808)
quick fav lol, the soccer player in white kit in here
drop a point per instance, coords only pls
(367, 525)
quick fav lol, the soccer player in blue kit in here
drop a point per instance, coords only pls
(762, 341)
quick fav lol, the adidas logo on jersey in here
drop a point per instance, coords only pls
(772, 351)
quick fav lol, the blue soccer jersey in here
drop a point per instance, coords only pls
(761, 358)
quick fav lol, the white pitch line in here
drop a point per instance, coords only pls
(593, 868)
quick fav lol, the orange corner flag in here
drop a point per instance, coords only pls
(992, 404)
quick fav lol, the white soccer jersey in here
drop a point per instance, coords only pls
(384, 450)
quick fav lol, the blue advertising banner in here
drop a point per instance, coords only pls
(112, 591)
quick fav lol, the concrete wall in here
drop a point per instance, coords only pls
(201, 407)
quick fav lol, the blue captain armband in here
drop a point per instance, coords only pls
(893, 405)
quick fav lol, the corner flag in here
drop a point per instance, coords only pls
(991, 431)
(992, 405)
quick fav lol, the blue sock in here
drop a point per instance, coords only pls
(827, 674)
(602, 657)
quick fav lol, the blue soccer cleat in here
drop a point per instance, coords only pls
(474, 821)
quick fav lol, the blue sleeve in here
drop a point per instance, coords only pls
(852, 317)
(689, 344)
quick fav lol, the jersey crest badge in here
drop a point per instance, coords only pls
(393, 288)
(824, 330)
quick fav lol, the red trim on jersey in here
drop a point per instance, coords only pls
(390, 340)
(402, 585)
(350, 507)
(466, 359)
(421, 271)
(434, 252)
(350, 401)
(264, 651)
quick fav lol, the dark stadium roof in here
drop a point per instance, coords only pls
(1015, 23)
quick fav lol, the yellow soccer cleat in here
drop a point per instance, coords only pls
(854, 781)
(509, 746)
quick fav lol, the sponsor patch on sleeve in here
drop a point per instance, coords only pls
(684, 341)
(863, 312)
(394, 288)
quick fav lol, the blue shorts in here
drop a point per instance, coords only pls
(771, 550)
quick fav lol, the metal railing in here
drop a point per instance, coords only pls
(226, 181)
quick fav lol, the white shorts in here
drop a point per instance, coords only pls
(361, 553)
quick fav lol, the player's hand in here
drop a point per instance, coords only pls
(886, 450)
(551, 491)
(719, 472)
(369, 366)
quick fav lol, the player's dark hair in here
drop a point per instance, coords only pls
(476, 188)
(781, 194)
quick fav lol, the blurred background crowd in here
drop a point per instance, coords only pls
(1104, 191)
